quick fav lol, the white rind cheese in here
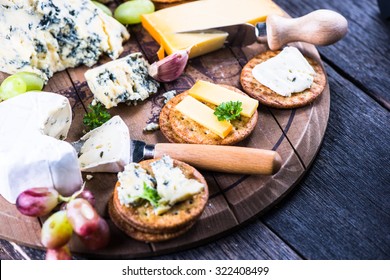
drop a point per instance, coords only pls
(106, 148)
(286, 73)
(122, 80)
(46, 36)
(31, 152)
(35, 113)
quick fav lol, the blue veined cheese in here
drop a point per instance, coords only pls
(31, 152)
(133, 181)
(168, 183)
(106, 148)
(122, 80)
(172, 185)
(46, 36)
(285, 73)
(150, 127)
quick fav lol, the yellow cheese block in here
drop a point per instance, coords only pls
(205, 14)
(216, 94)
(204, 115)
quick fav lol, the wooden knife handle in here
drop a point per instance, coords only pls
(230, 159)
(321, 27)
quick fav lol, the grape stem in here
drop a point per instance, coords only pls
(73, 196)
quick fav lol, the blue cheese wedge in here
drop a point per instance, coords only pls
(106, 148)
(31, 151)
(172, 185)
(122, 80)
(165, 188)
(133, 181)
(286, 73)
(46, 36)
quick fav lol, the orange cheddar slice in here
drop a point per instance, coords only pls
(216, 94)
(164, 24)
(204, 115)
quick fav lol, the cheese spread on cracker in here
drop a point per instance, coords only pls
(286, 73)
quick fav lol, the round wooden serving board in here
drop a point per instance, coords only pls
(234, 199)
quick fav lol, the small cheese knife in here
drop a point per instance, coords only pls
(321, 27)
(229, 159)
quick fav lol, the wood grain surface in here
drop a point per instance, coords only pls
(234, 199)
(340, 209)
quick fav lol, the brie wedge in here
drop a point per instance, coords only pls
(31, 152)
(106, 148)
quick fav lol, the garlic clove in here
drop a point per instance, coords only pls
(169, 68)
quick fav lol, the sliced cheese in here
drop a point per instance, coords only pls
(30, 154)
(206, 14)
(216, 94)
(286, 73)
(106, 148)
(203, 115)
(172, 185)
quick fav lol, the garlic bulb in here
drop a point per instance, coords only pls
(169, 68)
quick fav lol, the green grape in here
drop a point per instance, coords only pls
(12, 86)
(130, 12)
(56, 230)
(32, 80)
(62, 253)
(103, 7)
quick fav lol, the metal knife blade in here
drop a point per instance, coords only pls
(238, 35)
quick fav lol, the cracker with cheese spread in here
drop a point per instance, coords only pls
(178, 128)
(269, 97)
(152, 223)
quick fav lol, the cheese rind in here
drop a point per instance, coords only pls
(286, 73)
(106, 148)
(30, 154)
(204, 115)
(46, 36)
(164, 24)
(122, 80)
(216, 94)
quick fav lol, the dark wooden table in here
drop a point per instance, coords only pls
(341, 208)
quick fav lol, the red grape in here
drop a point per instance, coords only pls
(82, 216)
(56, 230)
(87, 195)
(99, 238)
(37, 202)
(62, 253)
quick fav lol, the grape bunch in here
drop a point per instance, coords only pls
(19, 83)
(76, 215)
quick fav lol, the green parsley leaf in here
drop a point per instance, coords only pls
(150, 194)
(97, 116)
(228, 110)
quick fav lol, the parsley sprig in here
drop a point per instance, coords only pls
(228, 110)
(150, 194)
(97, 116)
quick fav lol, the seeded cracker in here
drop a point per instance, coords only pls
(143, 224)
(180, 129)
(270, 98)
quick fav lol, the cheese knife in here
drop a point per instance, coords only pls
(320, 27)
(229, 159)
